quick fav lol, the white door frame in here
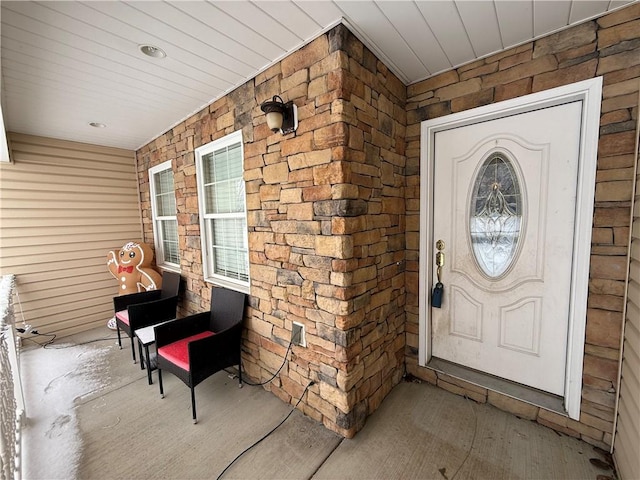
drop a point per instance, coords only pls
(589, 92)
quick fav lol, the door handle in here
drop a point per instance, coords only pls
(438, 290)
(439, 258)
(439, 264)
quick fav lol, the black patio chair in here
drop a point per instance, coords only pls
(195, 347)
(138, 310)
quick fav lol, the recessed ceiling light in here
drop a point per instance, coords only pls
(97, 124)
(151, 51)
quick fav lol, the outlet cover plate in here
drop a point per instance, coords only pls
(298, 334)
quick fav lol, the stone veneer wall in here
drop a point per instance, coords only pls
(326, 225)
(609, 47)
(333, 213)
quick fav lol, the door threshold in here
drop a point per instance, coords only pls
(545, 400)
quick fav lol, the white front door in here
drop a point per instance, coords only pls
(504, 203)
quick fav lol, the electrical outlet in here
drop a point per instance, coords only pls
(297, 334)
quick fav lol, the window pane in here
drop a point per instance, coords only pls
(496, 215)
(164, 181)
(164, 193)
(207, 169)
(223, 182)
(227, 163)
(226, 196)
(229, 249)
(221, 192)
(165, 225)
(170, 248)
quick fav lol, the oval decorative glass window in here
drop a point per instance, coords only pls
(496, 215)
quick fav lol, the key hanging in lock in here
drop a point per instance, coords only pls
(438, 290)
(436, 296)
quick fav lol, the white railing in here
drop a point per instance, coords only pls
(12, 400)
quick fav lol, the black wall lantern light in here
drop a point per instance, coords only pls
(282, 117)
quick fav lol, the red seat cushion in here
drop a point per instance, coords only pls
(123, 316)
(178, 352)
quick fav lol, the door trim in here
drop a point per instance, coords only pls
(589, 92)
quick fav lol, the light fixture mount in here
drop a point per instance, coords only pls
(281, 116)
(152, 51)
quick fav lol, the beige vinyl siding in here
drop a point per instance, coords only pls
(63, 206)
(627, 437)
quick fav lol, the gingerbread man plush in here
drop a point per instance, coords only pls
(132, 268)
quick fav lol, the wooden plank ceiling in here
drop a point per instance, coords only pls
(65, 63)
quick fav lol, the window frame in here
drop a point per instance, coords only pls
(206, 225)
(155, 219)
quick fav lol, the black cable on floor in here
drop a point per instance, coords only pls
(267, 434)
(35, 332)
(60, 347)
(274, 375)
(279, 369)
(473, 440)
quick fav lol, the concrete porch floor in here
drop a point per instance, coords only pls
(126, 431)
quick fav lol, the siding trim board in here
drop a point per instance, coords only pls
(63, 206)
(626, 435)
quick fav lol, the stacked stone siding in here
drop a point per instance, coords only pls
(609, 47)
(325, 212)
(333, 214)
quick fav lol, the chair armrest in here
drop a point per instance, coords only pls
(122, 302)
(181, 328)
(149, 313)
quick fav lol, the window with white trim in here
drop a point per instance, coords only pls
(223, 215)
(163, 212)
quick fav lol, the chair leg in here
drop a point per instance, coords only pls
(119, 339)
(142, 359)
(133, 350)
(160, 383)
(193, 404)
(148, 363)
(240, 375)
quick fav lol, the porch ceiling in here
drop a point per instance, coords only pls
(66, 64)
